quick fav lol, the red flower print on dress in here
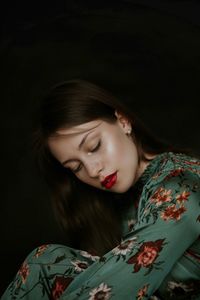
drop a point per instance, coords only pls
(193, 162)
(146, 255)
(142, 292)
(182, 197)
(79, 265)
(40, 250)
(172, 213)
(59, 285)
(175, 173)
(24, 272)
(102, 292)
(161, 196)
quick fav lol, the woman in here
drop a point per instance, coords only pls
(129, 203)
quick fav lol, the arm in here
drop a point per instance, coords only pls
(44, 274)
(168, 223)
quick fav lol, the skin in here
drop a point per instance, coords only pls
(107, 148)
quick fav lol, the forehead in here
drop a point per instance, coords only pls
(83, 128)
(65, 140)
(72, 136)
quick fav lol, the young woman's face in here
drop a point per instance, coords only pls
(99, 153)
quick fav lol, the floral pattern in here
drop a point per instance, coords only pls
(102, 292)
(161, 232)
(131, 224)
(146, 256)
(182, 197)
(124, 248)
(172, 213)
(89, 255)
(59, 285)
(142, 293)
(185, 290)
(160, 196)
(40, 250)
(24, 272)
(79, 266)
(171, 203)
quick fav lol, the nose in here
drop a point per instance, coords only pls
(94, 169)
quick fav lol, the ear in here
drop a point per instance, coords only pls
(123, 121)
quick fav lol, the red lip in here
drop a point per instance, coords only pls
(109, 181)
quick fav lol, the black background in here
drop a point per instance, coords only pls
(145, 52)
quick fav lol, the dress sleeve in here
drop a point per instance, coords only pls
(45, 274)
(168, 224)
(28, 282)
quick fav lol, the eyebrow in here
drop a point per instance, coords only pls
(80, 145)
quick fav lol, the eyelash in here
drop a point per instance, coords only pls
(93, 150)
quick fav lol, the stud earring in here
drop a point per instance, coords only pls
(129, 131)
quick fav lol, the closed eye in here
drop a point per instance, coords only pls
(96, 147)
(77, 169)
(93, 150)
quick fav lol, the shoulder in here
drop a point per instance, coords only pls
(184, 161)
(174, 189)
(175, 166)
(176, 172)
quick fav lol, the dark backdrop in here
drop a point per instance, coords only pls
(145, 52)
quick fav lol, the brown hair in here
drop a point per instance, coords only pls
(90, 217)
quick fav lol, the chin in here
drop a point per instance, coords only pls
(122, 189)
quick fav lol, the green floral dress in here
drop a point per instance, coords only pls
(158, 258)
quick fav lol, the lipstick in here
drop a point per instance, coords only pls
(109, 181)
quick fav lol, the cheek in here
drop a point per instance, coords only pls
(112, 150)
(119, 147)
